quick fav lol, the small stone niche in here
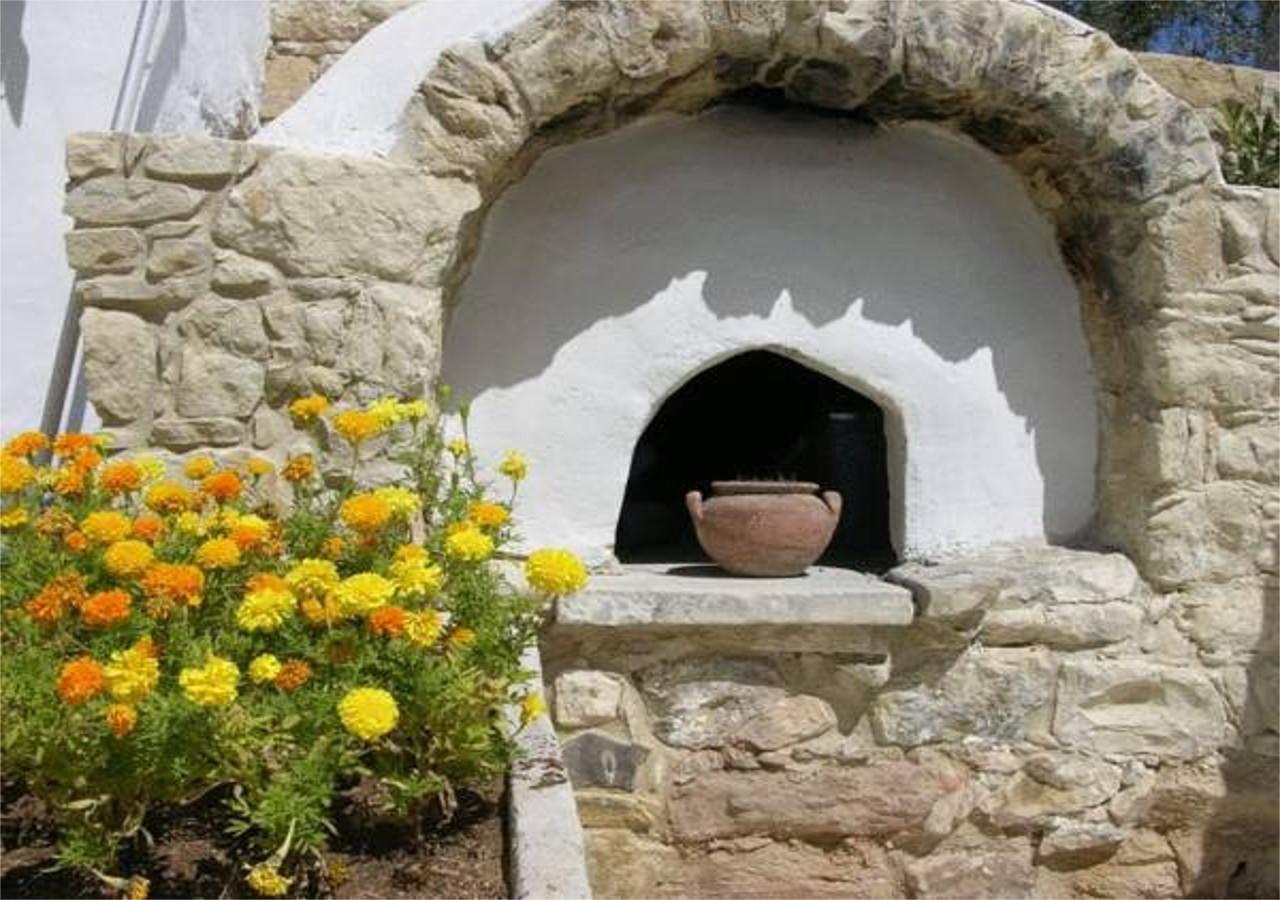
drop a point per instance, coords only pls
(758, 415)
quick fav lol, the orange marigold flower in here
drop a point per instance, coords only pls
(365, 513)
(76, 541)
(55, 598)
(128, 559)
(106, 526)
(222, 486)
(167, 497)
(488, 515)
(293, 675)
(148, 527)
(167, 585)
(387, 621)
(462, 637)
(198, 467)
(85, 461)
(218, 553)
(72, 444)
(80, 680)
(332, 547)
(26, 444)
(120, 477)
(70, 481)
(250, 532)
(106, 608)
(266, 581)
(121, 718)
(299, 468)
(55, 522)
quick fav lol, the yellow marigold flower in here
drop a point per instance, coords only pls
(387, 411)
(128, 559)
(250, 532)
(53, 522)
(365, 513)
(167, 497)
(294, 674)
(322, 611)
(414, 410)
(26, 444)
(198, 467)
(401, 501)
(363, 593)
(12, 518)
(265, 609)
(151, 466)
(218, 553)
(264, 668)
(469, 544)
(312, 578)
(15, 473)
(514, 466)
(106, 608)
(488, 515)
(458, 447)
(531, 706)
(555, 573)
(368, 713)
(299, 468)
(416, 576)
(134, 673)
(120, 477)
(106, 526)
(266, 881)
(307, 409)
(80, 680)
(387, 621)
(120, 719)
(357, 426)
(424, 628)
(190, 523)
(222, 486)
(258, 467)
(213, 684)
(333, 547)
(167, 585)
(409, 553)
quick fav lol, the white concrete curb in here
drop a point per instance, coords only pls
(546, 856)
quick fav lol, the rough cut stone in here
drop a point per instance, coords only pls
(998, 870)
(1203, 535)
(411, 322)
(216, 384)
(1075, 845)
(584, 698)
(119, 364)
(178, 257)
(235, 326)
(1230, 620)
(698, 704)
(235, 275)
(183, 158)
(93, 153)
(1122, 707)
(92, 251)
(951, 592)
(788, 721)
(594, 760)
(127, 291)
(1050, 786)
(1071, 626)
(181, 434)
(115, 200)
(621, 863)
(287, 78)
(610, 809)
(770, 870)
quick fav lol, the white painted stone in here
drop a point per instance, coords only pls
(909, 265)
(584, 698)
(656, 597)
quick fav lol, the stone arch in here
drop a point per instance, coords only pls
(1101, 147)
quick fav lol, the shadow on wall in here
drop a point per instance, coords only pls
(15, 59)
(165, 66)
(926, 229)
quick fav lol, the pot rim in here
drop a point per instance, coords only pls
(723, 488)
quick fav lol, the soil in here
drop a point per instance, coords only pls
(191, 855)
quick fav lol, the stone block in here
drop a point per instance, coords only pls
(1076, 845)
(1230, 621)
(232, 325)
(116, 200)
(747, 867)
(996, 870)
(1071, 626)
(186, 158)
(1251, 451)
(93, 251)
(1050, 786)
(1210, 534)
(595, 760)
(178, 257)
(182, 434)
(697, 704)
(93, 153)
(215, 384)
(235, 275)
(126, 291)
(584, 698)
(119, 364)
(287, 78)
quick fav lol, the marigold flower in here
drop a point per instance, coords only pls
(488, 515)
(360, 594)
(555, 573)
(128, 559)
(532, 705)
(387, 621)
(15, 473)
(333, 547)
(120, 719)
(12, 518)
(365, 513)
(416, 577)
(147, 527)
(357, 426)
(462, 637)
(198, 467)
(69, 482)
(106, 608)
(134, 673)
(54, 599)
(321, 611)
(458, 447)
(368, 713)
(299, 468)
(387, 411)
(312, 578)
(409, 553)
(120, 477)
(73, 444)
(469, 544)
(401, 501)
(264, 668)
(293, 675)
(413, 410)
(266, 881)
(265, 581)
(168, 497)
(250, 532)
(106, 526)
(170, 584)
(265, 609)
(26, 444)
(307, 409)
(54, 522)
(218, 553)
(139, 888)
(76, 541)
(80, 680)
(152, 468)
(424, 628)
(222, 486)
(258, 467)
(213, 684)
(514, 465)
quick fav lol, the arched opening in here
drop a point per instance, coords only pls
(758, 415)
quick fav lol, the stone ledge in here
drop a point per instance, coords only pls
(685, 595)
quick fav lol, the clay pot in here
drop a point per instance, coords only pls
(764, 528)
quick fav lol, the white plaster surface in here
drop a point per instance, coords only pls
(664, 596)
(908, 264)
(356, 106)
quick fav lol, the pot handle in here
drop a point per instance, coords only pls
(693, 500)
(834, 503)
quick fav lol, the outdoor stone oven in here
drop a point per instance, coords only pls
(1030, 265)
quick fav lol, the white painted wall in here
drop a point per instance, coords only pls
(64, 70)
(908, 264)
